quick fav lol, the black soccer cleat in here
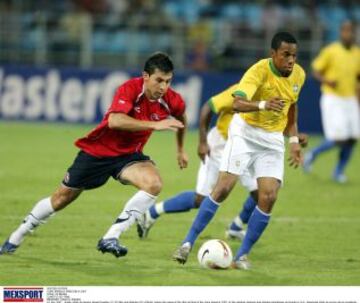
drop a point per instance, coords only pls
(112, 246)
(8, 248)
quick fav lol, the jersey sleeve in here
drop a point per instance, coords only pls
(250, 82)
(123, 99)
(322, 61)
(223, 100)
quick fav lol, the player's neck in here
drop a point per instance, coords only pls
(346, 45)
(149, 96)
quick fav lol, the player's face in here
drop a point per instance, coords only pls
(157, 84)
(347, 34)
(284, 58)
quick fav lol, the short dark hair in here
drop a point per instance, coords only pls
(282, 37)
(160, 61)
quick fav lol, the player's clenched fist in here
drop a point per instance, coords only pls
(275, 104)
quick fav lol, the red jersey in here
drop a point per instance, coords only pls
(130, 99)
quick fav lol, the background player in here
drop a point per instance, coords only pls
(114, 149)
(256, 142)
(337, 67)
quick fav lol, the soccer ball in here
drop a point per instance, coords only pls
(215, 254)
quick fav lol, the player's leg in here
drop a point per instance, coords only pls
(351, 113)
(268, 189)
(185, 201)
(207, 210)
(144, 176)
(236, 230)
(42, 210)
(268, 168)
(331, 125)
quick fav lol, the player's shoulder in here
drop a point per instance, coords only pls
(332, 47)
(260, 65)
(299, 71)
(135, 84)
(172, 95)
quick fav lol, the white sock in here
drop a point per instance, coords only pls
(41, 211)
(134, 208)
(159, 208)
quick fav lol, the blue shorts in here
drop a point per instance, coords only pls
(88, 172)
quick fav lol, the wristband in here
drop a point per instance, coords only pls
(262, 105)
(294, 139)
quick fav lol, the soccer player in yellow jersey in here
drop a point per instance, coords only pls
(266, 97)
(210, 149)
(337, 67)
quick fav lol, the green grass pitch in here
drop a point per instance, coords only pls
(313, 238)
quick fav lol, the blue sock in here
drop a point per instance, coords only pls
(206, 211)
(257, 224)
(180, 203)
(344, 157)
(244, 215)
(248, 209)
(323, 147)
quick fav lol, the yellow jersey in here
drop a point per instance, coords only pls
(263, 81)
(339, 64)
(221, 104)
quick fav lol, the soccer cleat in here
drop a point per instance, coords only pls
(241, 263)
(182, 253)
(340, 178)
(112, 246)
(232, 234)
(8, 248)
(144, 224)
(308, 161)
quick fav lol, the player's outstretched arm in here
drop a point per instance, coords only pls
(122, 121)
(240, 104)
(182, 157)
(205, 118)
(295, 157)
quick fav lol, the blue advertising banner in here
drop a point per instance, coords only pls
(83, 96)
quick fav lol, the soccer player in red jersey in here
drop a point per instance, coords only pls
(114, 149)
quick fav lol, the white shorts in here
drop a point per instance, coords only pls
(340, 117)
(253, 151)
(209, 171)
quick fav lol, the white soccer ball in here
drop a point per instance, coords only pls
(215, 254)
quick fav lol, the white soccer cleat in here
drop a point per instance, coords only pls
(232, 234)
(144, 224)
(182, 253)
(242, 263)
(340, 178)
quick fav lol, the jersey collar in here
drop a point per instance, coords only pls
(274, 69)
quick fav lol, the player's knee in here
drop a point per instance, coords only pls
(267, 200)
(153, 186)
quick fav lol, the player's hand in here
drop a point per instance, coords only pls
(331, 83)
(275, 104)
(203, 151)
(168, 124)
(182, 159)
(296, 157)
(303, 139)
